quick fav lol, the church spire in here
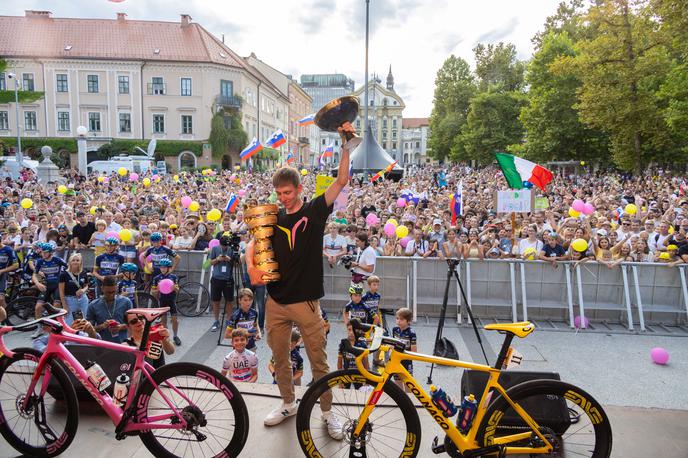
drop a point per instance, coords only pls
(390, 79)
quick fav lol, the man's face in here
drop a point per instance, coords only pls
(109, 292)
(289, 195)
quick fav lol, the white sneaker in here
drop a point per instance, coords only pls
(280, 413)
(334, 427)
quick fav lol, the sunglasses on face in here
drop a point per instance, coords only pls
(134, 321)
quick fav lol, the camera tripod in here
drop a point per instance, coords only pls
(443, 346)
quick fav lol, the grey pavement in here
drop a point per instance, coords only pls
(647, 403)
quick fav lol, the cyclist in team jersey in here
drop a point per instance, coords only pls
(49, 267)
(29, 263)
(167, 299)
(108, 263)
(157, 252)
(127, 285)
(245, 317)
(8, 263)
(241, 365)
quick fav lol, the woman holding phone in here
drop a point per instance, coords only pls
(72, 286)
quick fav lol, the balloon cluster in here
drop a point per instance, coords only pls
(579, 207)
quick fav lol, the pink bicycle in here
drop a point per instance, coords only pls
(180, 409)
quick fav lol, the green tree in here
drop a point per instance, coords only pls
(24, 96)
(227, 134)
(569, 19)
(621, 70)
(554, 130)
(492, 125)
(454, 88)
(498, 68)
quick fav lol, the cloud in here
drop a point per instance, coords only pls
(383, 13)
(312, 16)
(500, 32)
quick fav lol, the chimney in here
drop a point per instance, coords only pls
(121, 17)
(186, 20)
(38, 14)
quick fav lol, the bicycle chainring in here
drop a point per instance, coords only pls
(450, 449)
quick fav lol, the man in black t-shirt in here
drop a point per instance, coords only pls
(82, 232)
(552, 251)
(295, 299)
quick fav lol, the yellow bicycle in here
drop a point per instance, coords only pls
(376, 418)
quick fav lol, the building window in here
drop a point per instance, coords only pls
(3, 82)
(123, 84)
(358, 124)
(94, 122)
(63, 121)
(187, 124)
(384, 123)
(158, 124)
(61, 83)
(157, 86)
(29, 120)
(4, 120)
(226, 88)
(186, 86)
(394, 123)
(394, 145)
(384, 135)
(27, 82)
(323, 142)
(125, 122)
(226, 120)
(417, 144)
(92, 83)
(394, 134)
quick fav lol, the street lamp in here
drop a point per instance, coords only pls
(19, 156)
(81, 132)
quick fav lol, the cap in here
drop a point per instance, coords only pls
(437, 221)
(672, 247)
(602, 232)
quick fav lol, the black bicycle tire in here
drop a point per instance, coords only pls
(496, 409)
(313, 393)
(71, 405)
(149, 301)
(239, 408)
(189, 310)
(21, 305)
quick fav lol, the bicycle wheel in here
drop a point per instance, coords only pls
(48, 425)
(585, 433)
(392, 429)
(215, 412)
(144, 300)
(192, 299)
(21, 310)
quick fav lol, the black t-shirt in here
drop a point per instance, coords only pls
(368, 209)
(683, 249)
(70, 286)
(553, 252)
(298, 241)
(83, 233)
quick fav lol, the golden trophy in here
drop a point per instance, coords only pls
(260, 221)
(335, 114)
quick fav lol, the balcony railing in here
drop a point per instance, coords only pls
(304, 141)
(229, 101)
(157, 89)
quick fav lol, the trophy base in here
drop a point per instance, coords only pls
(352, 143)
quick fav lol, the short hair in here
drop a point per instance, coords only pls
(100, 222)
(285, 176)
(240, 332)
(362, 236)
(373, 278)
(405, 314)
(295, 335)
(110, 280)
(245, 292)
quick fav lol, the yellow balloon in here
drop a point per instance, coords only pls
(631, 209)
(664, 255)
(93, 210)
(62, 189)
(237, 167)
(214, 215)
(146, 182)
(393, 221)
(237, 181)
(402, 231)
(304, 172)
(175, 178)
(671, 229)
(529, 254)
(573, 213)
(125, 235)
(582, 162)
(194, 206)
(101, 179)
(580, 245)
(26, 203)
(157, 179)
(122, 171)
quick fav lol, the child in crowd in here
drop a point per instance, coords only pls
(296, 359)
(356, 308)
(347, 360)
(245, 317)
(372, 297)
(127, 285)
(167, 299)
(403, 331)
(241, 365)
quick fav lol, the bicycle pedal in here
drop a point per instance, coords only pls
(437, 448)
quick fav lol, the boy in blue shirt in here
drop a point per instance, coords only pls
(356, 308)
(372, 297)
(127, 285)
(157, 252)
(167, 299)
(108, 263)
(49, 267)
(245, 317)
(294, 356)
(8, 263)
(403, 331)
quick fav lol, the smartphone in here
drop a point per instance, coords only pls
(78, 315)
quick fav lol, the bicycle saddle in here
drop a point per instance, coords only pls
(150, 314)
(520, 329)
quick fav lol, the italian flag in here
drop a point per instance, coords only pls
(517, 170)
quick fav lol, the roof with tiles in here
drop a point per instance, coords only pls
(414, 123)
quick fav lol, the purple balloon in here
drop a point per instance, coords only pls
(401, 202)
(578, 205)
(581, 322)
(588, 209)
(213, 243)
(390, 229)
(405, 241)
(659, 356)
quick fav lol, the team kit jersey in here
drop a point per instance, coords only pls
(51, 268)
(348, 359)
(372, 300)
(240, 365)
(160, 277)
(127, 288)
(7, 257)
(360, 311)
(245, 320)
(408, 336)
(157, 254)
(108, 263)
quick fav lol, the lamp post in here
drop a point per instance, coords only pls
(81, 132)
(19, 156)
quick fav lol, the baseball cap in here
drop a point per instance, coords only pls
(437, 221)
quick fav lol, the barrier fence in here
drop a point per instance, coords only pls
(634, 294)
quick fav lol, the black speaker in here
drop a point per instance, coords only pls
(551, 412)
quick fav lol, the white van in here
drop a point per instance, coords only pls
(136, 164)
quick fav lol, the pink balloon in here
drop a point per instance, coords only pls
(155, 177)
(581, 322)
(405, 241)
(133, 176)
(232, 177)
(241, 192)
(659, 356)
(390, 229)
(166, 286)
(113, 234)
(213, 243)
(588, 209)
(578, 205)
(106, 180)
(186, 201)
(401, 202)
(372, 219)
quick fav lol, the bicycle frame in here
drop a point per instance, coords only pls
(462, 441)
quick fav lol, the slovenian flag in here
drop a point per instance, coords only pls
(329, 152)
(290, 158)
(277, 139)
(251, 149)
(456, 204)
(307, 120)
(517, 170)
(232, 203)
(382, 173)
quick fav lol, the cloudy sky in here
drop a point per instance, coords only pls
(327, 36)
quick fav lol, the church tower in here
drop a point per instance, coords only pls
(390, 79)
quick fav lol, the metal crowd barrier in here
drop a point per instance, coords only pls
(634, 294)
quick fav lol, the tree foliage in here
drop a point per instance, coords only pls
(226, 133)
(8, 95)
(497, 67)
